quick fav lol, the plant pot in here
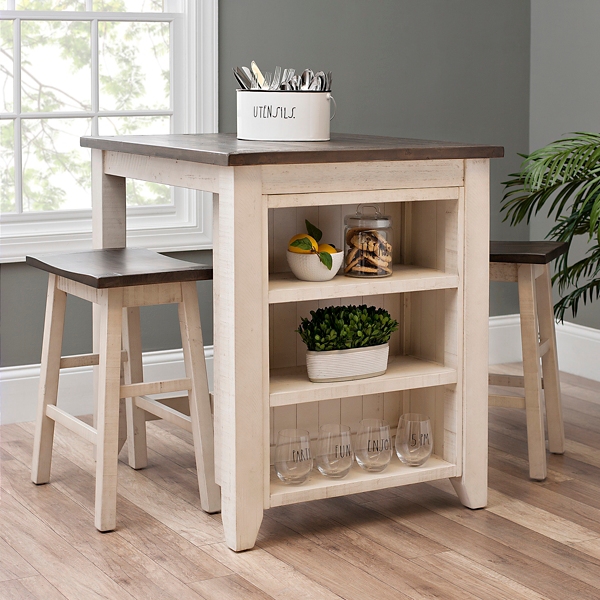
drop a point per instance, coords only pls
(345, 365)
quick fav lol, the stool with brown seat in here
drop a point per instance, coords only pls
(118, 282)
(528, 264)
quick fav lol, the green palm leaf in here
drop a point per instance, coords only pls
(564, 178)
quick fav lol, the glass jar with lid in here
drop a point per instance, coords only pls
(368, 243)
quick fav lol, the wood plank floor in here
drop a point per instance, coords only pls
(534, 541)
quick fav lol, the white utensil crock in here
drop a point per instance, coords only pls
(283, 116)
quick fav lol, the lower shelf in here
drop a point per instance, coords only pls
(291, 385)
(358, 480)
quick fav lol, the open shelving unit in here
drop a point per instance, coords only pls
(424, 374)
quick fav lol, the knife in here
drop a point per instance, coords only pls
(257, 74)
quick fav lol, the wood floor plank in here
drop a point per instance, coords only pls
(322, 565)
(29, 588)
(232, 587)
(550, 502)
(366, 553)
(519, 467)
(179, 556)
(534, 541)
(164, 505)
(316, 519)
(483, 582)
(483, 549)
(12, 564)
(274, 577)
(110, 553)
(591, 547)
(584, 570)
(542, 522)
(70, 573)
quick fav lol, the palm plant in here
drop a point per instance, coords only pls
(565, 176)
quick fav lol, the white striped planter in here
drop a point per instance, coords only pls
(344, 365)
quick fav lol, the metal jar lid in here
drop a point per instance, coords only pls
(373, 220)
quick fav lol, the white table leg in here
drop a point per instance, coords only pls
(471, 487)
(241, 353)
(108, 206)
(108, 229)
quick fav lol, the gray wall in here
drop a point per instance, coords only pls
(565, 91)
(431, 69)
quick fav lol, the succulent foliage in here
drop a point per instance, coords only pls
(565, 177)
(343, 327)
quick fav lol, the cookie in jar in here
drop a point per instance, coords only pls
(368, 236)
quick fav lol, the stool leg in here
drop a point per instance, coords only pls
(536, 439)
(56, 302)
(556, 432)
(202, 424)
(109, 383)
(134, 373)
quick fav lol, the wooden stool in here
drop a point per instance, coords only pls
(119, 281)
(528, 264)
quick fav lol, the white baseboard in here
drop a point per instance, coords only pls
(19, 385)
(578, 346)
(578, 353)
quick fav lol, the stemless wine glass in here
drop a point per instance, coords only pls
(373, 445)
(414, 440)
(293, 461)
(334, 450)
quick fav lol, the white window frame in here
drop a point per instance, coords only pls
(187, 225)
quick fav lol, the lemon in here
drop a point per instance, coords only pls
(299, 249)
(328, 248)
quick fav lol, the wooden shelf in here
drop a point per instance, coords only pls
(284, 287)
(317, 486)
(291, 385)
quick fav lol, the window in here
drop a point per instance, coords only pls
(99, 67)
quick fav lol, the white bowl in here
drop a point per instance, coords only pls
(309, 267)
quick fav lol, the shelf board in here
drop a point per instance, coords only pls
(317, 486)
(290, 385)
(284, 287)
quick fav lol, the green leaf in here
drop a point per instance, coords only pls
(326, 259)
(302, 243)
(313, 231)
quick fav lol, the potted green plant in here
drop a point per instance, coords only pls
(565, 176)
(346, 342)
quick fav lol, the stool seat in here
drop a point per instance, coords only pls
(120, 267)
(527, 264)
(532, 253)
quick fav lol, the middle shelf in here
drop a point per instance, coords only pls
(284, 287)
(290, 385)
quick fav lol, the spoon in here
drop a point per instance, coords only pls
(306, 79)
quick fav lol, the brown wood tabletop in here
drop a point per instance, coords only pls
(120, 267)
(224, 149)
(532, 253)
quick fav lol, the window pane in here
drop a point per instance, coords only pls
(139, 193)
(6, 66)
(7, 166)
(50, 5)
(134, 65)
(129, 5)
(56, 72)
(56, 170)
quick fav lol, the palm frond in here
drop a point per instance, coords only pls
(564, 178)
